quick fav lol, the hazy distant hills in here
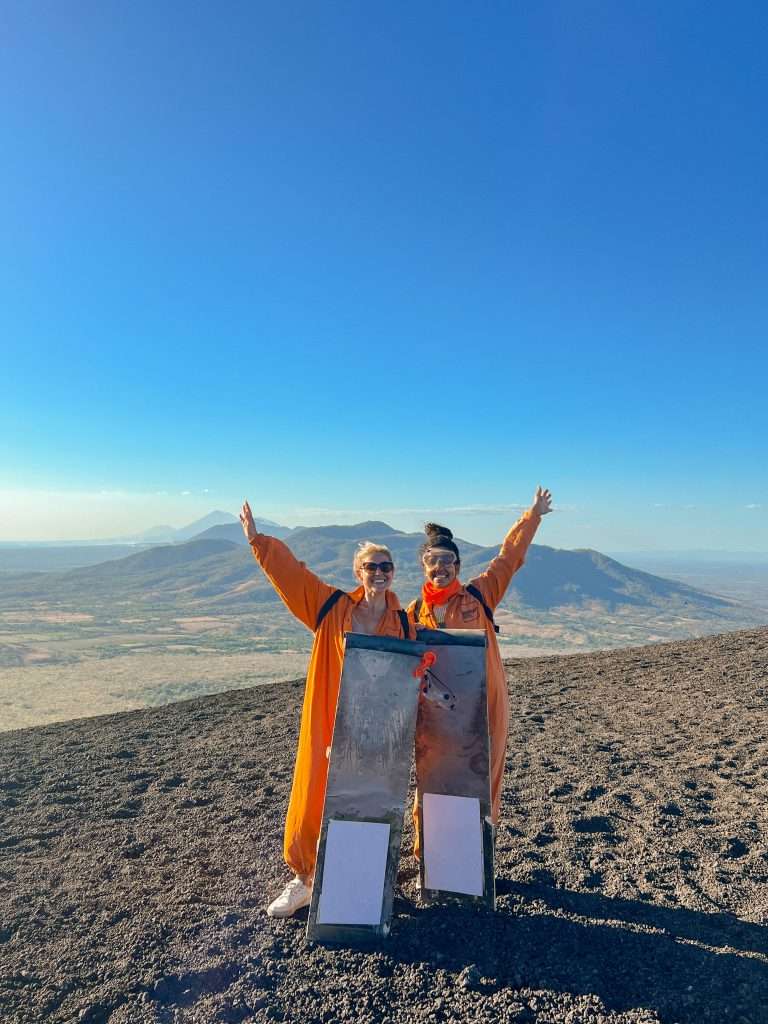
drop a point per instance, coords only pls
(176, 535)
(739, 576)
(216, 572)
(42, 558)
(49, 557)
(234, 532)
(157, 562)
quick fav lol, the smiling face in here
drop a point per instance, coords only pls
(375, 569)
(440, 566)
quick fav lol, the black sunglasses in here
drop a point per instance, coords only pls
(373, 566)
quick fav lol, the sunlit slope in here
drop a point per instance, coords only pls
(218, 572)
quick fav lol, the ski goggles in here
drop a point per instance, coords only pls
(432, 561)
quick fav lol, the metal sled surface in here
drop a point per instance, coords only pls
(365, 794)
(453, 771)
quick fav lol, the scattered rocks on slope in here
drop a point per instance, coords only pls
(137, 853)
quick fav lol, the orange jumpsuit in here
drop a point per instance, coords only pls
(465, 612)
(304, 594)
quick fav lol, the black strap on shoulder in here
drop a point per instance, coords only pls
(329, 603)
(334, 597)
(472, 589)
(403, 616)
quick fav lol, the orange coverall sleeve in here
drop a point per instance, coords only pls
(303, 593)
(493, 583)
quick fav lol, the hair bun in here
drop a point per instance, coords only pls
(435, 530)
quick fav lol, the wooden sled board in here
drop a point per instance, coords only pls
(365, 794)
(453, 772)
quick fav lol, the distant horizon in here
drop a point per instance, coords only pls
(398, 263)
(136, 537)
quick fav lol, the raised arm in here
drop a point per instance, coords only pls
(302, 592)
(493, 583)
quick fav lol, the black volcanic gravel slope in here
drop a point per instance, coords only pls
(137, 852)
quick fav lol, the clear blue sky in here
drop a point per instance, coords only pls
(367, 257)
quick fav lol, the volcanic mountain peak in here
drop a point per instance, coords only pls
(372, 529)
(216, 571)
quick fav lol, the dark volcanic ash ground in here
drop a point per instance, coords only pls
(138, 851)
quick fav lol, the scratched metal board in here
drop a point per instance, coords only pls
(367, 784)
(452, 771)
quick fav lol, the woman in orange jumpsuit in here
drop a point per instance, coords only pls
(445, 602)
(371, 608)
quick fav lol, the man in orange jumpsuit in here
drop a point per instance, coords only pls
(446, 603)
(371, 608)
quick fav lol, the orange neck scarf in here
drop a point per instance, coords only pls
(439, 595)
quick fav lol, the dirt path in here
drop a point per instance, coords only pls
(137, 852)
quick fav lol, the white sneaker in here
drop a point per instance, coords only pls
(293, 897)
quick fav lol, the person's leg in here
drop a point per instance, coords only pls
(305, 809)
(302, 830)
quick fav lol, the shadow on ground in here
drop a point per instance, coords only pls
(686, 965)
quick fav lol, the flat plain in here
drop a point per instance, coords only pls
(58, 663)
(62, 659)
(181, 620)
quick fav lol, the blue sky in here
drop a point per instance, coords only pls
(389, 261)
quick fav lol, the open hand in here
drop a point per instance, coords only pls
(542, 501)
(246, 520)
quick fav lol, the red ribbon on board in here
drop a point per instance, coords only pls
(428, 659)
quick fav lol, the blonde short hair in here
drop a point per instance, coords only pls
(365, 549)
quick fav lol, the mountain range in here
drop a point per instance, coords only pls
(49, 556)
(215, 569)
(213, 521)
